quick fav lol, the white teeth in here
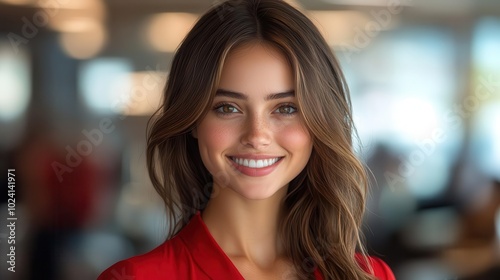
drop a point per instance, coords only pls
(259, 163)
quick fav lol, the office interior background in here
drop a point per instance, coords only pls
(79, 80)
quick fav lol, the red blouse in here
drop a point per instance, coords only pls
(194, 254)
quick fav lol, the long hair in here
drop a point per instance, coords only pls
(325, 202)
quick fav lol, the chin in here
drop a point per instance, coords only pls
(258, 192)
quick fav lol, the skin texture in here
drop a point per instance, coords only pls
(244, 210)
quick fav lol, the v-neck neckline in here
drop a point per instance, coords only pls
(202, 245)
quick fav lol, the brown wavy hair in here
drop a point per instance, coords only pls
(325, 202)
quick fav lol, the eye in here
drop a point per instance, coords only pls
(286, 110)
(225, 109)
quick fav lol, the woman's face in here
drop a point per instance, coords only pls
(253, 140)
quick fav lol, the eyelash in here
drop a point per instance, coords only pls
(218, 107)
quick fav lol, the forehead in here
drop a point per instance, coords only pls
(256, 67)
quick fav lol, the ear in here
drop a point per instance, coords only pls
(194, 132)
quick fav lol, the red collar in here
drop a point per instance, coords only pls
(206, 252)
(208, 255)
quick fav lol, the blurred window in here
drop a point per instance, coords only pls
(104, 83)
(15, 78)
(403, 85)
(485, 138)
(486, 47)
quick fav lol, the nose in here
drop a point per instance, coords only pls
(257, 133)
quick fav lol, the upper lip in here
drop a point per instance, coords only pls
(250, 156)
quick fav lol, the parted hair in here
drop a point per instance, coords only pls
(325, 203)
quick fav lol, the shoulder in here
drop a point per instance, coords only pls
(165, 260)
(380, 269)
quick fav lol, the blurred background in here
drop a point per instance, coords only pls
(80, 78)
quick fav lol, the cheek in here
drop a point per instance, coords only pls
(296, 138)
(214, 136)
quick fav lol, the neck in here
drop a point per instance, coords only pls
(246, 228)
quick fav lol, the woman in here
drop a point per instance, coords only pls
(252, 154)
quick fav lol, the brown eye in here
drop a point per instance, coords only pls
(225, 109)
(286, 110)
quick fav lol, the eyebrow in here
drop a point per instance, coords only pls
(239, 95)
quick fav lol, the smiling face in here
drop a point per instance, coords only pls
(253, 140)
